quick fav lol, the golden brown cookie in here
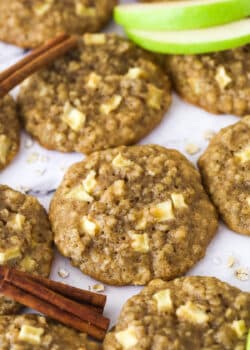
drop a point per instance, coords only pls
(34, 332)
(106, 93)
(9, 131)
(25, 238)
(130, 214)
(218, 82)
(28, 23)
(190, 313)
(225, 169)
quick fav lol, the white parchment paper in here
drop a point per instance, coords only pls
(38, 169)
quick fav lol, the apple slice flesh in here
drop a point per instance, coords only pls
(198, 41)
(181, 15)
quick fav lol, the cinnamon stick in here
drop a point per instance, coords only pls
(33, 62)
(50, 310)
(79, 310)
(74, 293)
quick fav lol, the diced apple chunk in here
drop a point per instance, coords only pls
(89, 226)
(178, 200)
(222, 78)
(193, 313)
(244, 154)
(111, 105)
(154, 98)
(95, 39)
(9, 254)
(89, 183)
(140, 242)
(80, 194)
(135, 73)
(163, 211)
(240, 328)
(121, 162)
(83, 11)
(73, 117)
(42, 9)
(127, 338)
(16, 222)
(163, 300)
(31, 335)
(93, 80)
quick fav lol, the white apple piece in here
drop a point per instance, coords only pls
(198, 41)
(181, 15)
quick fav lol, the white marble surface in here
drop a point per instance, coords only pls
(183, 124)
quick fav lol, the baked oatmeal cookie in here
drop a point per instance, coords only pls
(25, 238)
(104, 94)
(130, 214)
(218, 82)
(225, 168)
(28, 23)
(34, 332)
(190, 313)
(9, 131)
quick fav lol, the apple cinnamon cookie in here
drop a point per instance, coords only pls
(25, 238)
(34, 332)
(197, 313)
(225, 168)
(9, 131)
(104, 94)
(30, 23)
(218, 82)
(130, 214)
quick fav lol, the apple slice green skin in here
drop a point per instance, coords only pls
(179, 16)
(185, 42)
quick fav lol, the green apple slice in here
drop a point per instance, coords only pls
(181, 15)
(227, 36)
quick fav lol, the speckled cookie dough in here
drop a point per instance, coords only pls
(28, 23)
(25, 238)
(190, 313)
(219, 82)
(34, 332)
(9, 131)
(104, 94)
(130, 214)
(225, 168)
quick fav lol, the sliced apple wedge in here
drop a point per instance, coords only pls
(181, 15)
(213, 39)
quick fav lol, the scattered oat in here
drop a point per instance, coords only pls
(192, 149)
(28, 143)
(231, 261)
(32, 157)
(23, 189)
(242, 274)
(217, 260)
(63, 273)
(98, 288)
(209, 134)
(41, 172)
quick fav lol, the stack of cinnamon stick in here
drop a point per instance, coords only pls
(79, 309)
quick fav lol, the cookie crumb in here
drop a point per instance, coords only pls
(192, 149)
(209, 134)
(242, 274)
(32, 158)
(231, 261)
(98, 288)
(63, 273)
(28, 143)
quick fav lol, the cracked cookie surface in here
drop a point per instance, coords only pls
(104, 94)
(225, 168)
(218, 82)
(34, 332)
(28, 23)
(131, 214)
(9, 131)
(25, 238)
(197, 313)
